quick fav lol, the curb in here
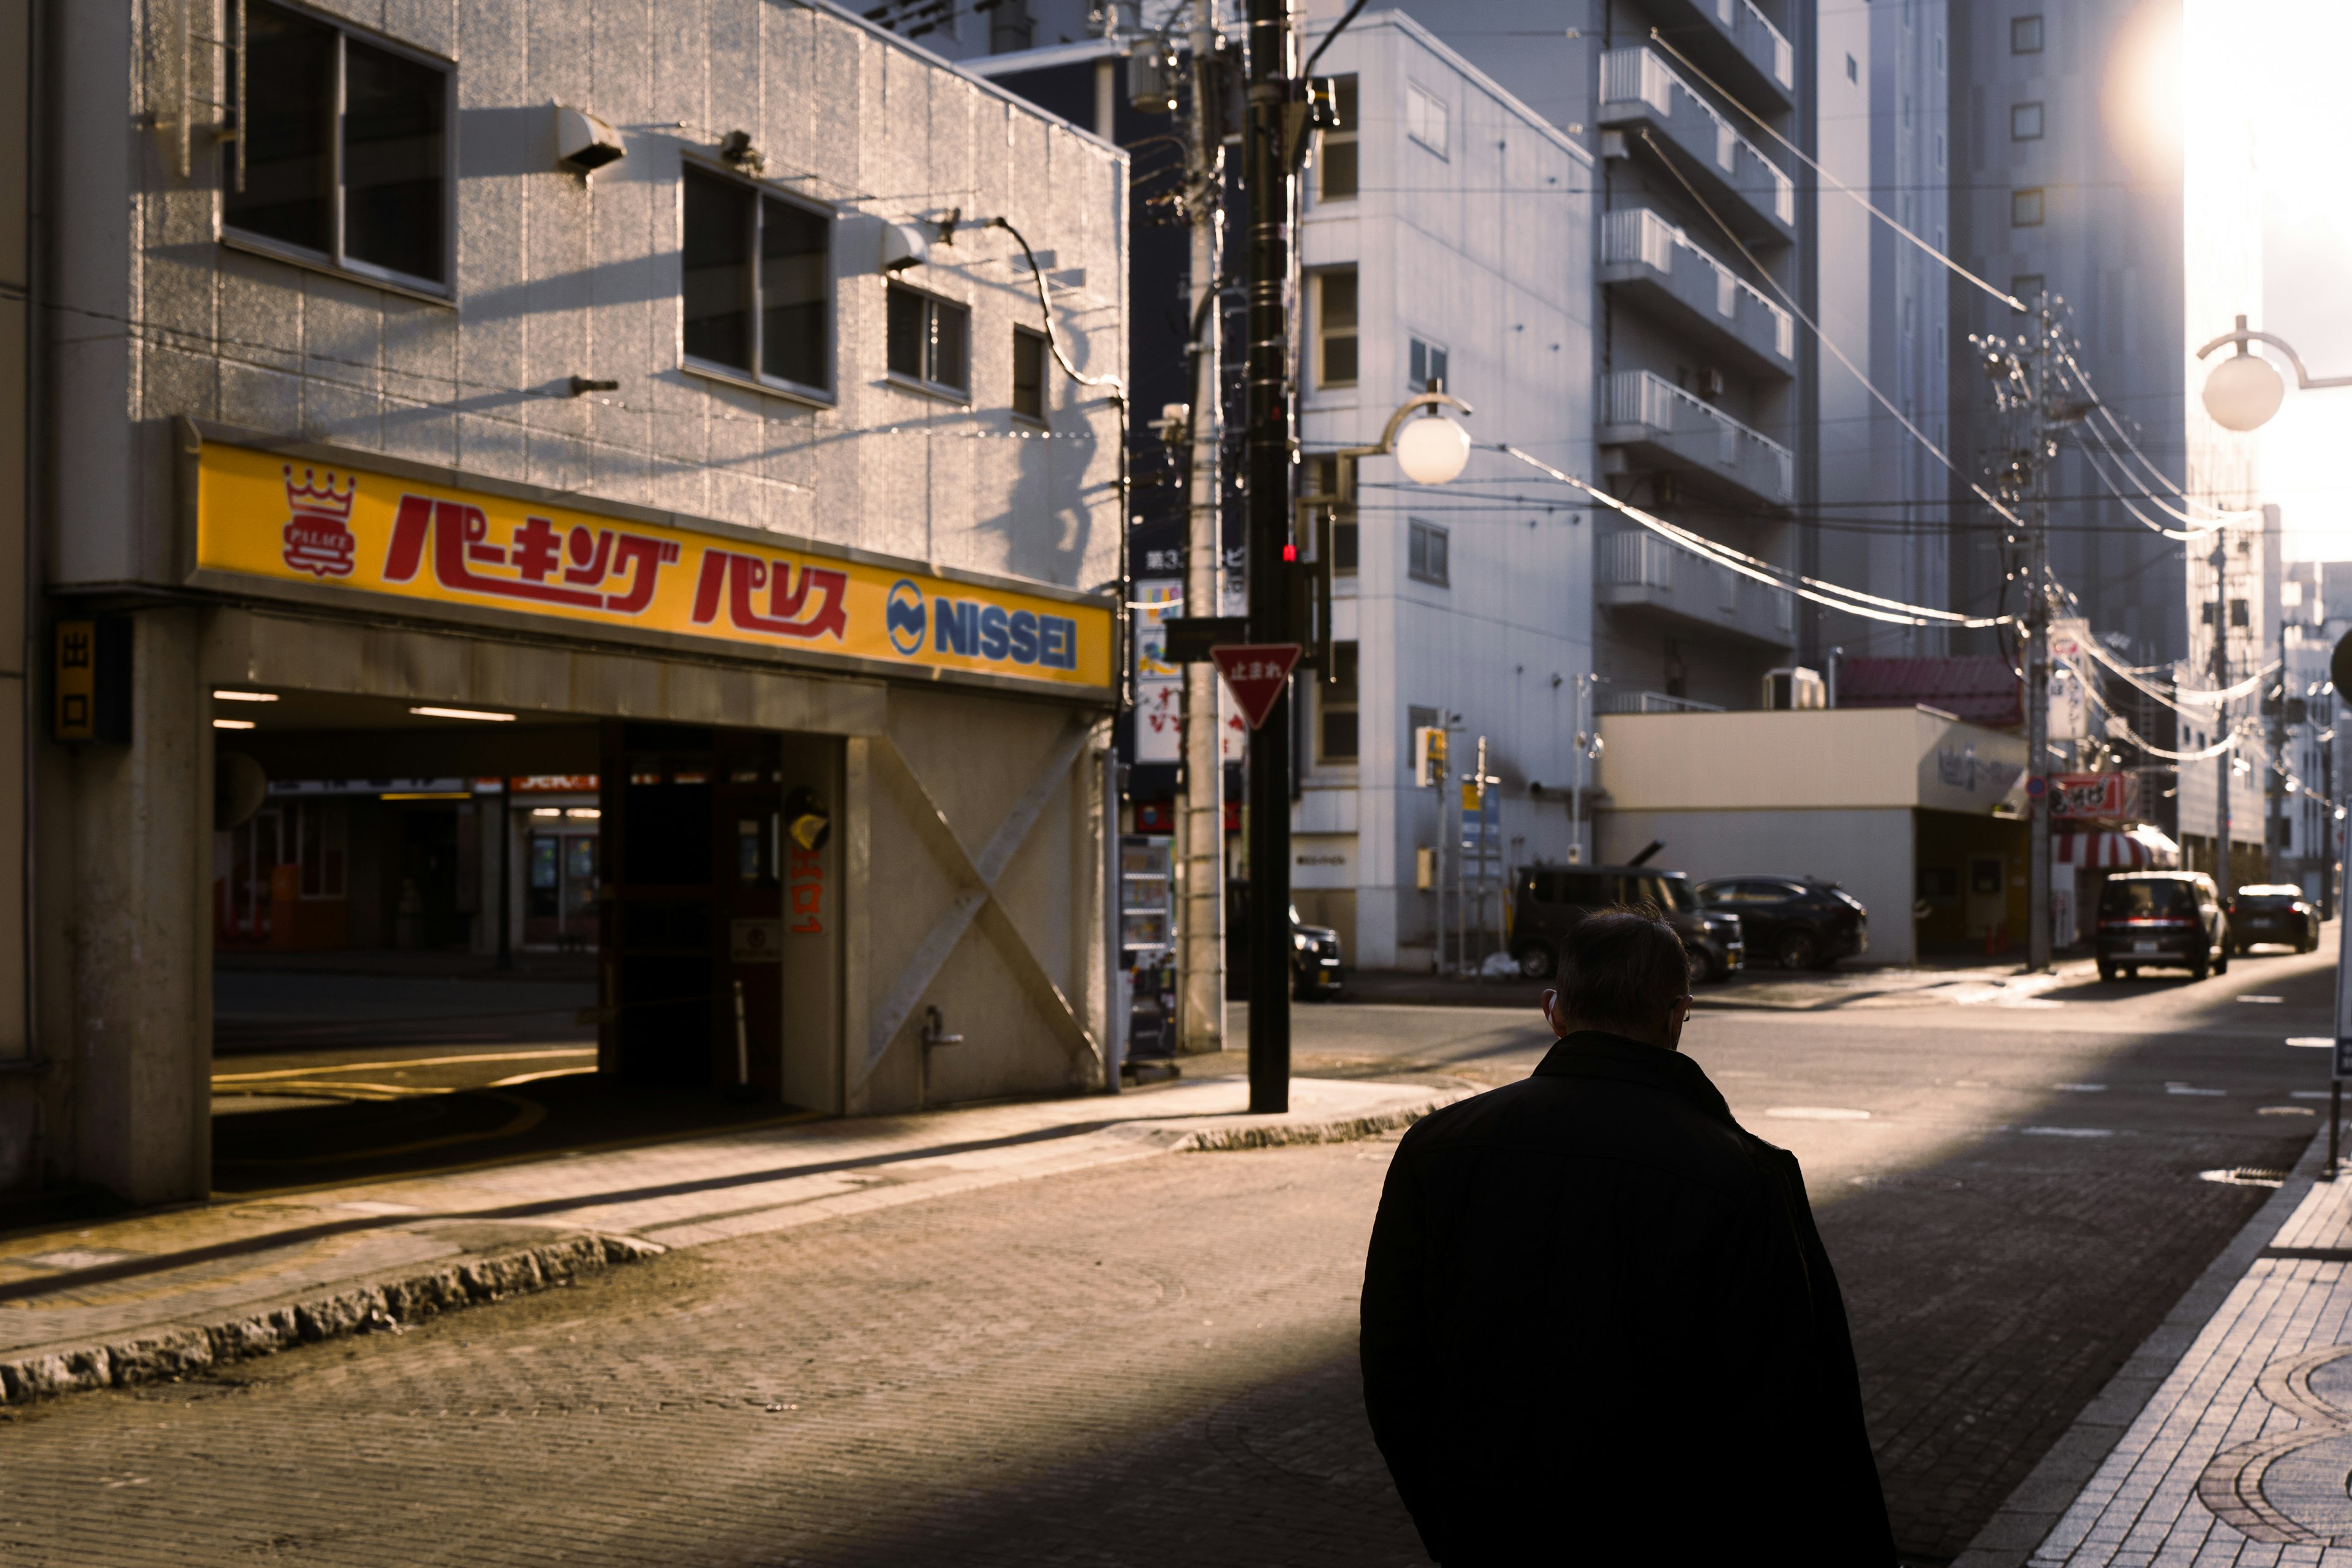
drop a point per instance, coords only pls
(388, 1301)
(1345, 1129)
(2025, 1519)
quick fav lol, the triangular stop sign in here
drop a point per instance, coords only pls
(1257, 672)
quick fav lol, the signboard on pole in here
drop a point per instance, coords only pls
(2102, 796)
(1257, 674)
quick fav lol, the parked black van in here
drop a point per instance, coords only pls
(2172, 919)
(1548, 902)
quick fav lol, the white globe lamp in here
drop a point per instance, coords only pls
(1433, 451)
(2243, 392)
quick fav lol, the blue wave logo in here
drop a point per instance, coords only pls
(903, 614)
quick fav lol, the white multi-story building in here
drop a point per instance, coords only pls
(1446, 240)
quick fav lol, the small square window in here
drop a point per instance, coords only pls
(1029, 374)
(928, 340)
(2026, 288)
(2025, 122)
(1425, 553)
(2025, 35)
(1427, 366)
(1338, 736)
(758, 288)
(1338, 178)
(1425, 118)
(2026, 208)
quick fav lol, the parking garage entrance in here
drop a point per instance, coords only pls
(443, 934)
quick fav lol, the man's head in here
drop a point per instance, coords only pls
(1623, 971)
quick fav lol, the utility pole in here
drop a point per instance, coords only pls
(1266, 154)
(2220, 562)
(1201, 950)
(2037, 659)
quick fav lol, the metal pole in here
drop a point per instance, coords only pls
(1201, 824)
(2343, 1048)
(1267, 176)
(505, 874)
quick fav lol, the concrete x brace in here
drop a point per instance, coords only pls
(976, 901)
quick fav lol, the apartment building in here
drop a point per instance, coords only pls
(662, 404)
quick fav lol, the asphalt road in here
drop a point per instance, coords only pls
(1153, 1362)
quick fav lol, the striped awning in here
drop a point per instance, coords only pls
(2140, 848)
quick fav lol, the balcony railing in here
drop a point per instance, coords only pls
(1638, 78)
(1652, 702)
(1638, 569)
(1636, 237)
(1760, 40)
(1647, 410)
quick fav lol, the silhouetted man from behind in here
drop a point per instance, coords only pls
(1599, 1326)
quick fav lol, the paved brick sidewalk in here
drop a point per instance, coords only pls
(166, 1294)
(2228, 1440)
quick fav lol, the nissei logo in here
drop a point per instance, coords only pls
(994, 633)
(903, 614)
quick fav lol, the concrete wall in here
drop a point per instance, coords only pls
(1869, 852)
(1486, 252)
(1840, 757)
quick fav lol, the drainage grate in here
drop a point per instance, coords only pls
(2245, 1176)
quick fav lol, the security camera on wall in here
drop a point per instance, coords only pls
(584, 144)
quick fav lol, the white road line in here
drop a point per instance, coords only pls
(2315, 1042)
(2080, 1087)
(2069, 1132)
(1816, 1113)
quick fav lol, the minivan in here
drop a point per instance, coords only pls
(2172, 919)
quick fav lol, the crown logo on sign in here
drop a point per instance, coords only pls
(309, 498)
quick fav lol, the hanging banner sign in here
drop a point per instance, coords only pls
(259, 514)
(2107, 796)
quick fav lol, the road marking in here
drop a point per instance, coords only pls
(2315, 1042)
(2080, 1087)
(535, 1076)
(1816, 1113)
(411, 1062)
(2243, 1178)
(2286, 1110)
(2262, 998)
(2069, 1132)
(377, 1205)
(2307, 1093)
(2184, 1088)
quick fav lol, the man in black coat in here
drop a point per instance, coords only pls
(1599, 1326)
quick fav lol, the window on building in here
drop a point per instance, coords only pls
(1029, 373)
(757, 293)
(1338, 182)
(1427, 367)
(1324, 475)
(2026, 288)
(928, 340)
(2026, 208)
(1853, 69)
(363, 185)
(1424, 559)
(2025, 122)
(2025, 35)
(1336, 736)
(1334, 326)
(2238, 613)
(1425, 117)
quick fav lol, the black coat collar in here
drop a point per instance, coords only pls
(1594, 1053)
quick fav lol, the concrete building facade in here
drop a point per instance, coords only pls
(564, 394)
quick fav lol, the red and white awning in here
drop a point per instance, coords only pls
(2140, 848)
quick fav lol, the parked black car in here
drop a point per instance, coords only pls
(2172, 919)
(1548, 902)
(1314, 959)
(1797, 923)
(2273, 913)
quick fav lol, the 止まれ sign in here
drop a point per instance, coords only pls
(304, 520)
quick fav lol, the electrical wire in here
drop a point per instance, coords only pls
(2101, 410)
(1870, 606)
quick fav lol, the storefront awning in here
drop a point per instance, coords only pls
(2140, 848)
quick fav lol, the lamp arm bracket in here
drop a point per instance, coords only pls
(2304, 380)
(1418, 400)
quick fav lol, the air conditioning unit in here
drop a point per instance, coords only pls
(1795, 688)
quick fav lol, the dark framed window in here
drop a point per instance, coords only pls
(1336, 740)
(758, 284)
(346, 153)
(2025, 35)
(2026, 288)
(930, 340)
(1338, 182)
(1029, 373)
(1425, 553)
(2025, 122)
(2026, 208)
(1334, 326)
